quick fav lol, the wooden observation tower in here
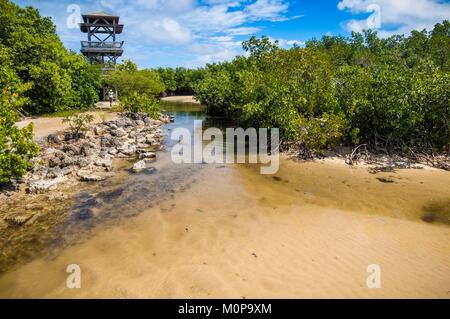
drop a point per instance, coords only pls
(101, 46)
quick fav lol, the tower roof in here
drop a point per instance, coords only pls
(100, 15)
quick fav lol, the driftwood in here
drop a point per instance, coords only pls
(437, 162)
(356, 154)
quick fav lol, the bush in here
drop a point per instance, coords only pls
(390, 93)
(16, 145)
(319, 133)
(128, 82)
(180, 81)
(136, 102)
(79, 123)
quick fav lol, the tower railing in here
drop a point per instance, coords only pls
(102, 44)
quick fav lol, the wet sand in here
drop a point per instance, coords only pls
(310, 231)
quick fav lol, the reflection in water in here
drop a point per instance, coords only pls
(224, 230)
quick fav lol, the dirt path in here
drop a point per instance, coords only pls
(181, 99)
(43, 126)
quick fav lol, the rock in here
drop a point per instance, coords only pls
(132, 134)
(18, 220)
(67, 161)
(149, 170)
(44, 185)
(117, 142)
(139, 123)
(106, 141)
(141, 148)
(54, 162)
(85, 202)
(98, 130)
(54, 139)
(127, 149)
(150, 139)
(85, 161)
(68, 170)
(49, 152)
(71, 149)
(119, 132)
(60, 154)
(112, 125)
(73, 136)
(87, 176)
(147, 120)
(385, 180)
(104, 161)
(141, 138)
(147, 155)
(86, 149)
(112, 151)
(139, 166)
(84, 214)
(54, 172)
(57, 197)
(123, 121)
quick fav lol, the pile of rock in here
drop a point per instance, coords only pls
(89, 156)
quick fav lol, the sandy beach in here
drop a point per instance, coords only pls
(251, 236)
(181, 99)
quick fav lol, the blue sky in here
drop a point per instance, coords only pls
(191, 33)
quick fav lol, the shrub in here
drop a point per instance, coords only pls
(319, 133)
(145, 103)
(16, 145)
(390, 93)
(132, 81)
(79, 123)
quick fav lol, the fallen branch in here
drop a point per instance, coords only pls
(353, 159)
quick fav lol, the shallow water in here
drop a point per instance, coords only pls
(198, 230)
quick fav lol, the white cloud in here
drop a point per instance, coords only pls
(267, 9)
(165, 30)
(203, 30)
(242, 31)
(396, 16)
(208, 30)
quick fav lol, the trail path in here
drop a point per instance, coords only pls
(44, 126)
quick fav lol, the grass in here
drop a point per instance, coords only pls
(66, 113)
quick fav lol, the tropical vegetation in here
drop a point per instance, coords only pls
(388, 93)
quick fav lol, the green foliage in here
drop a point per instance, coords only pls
(16, 145)
(390, 93)
(138, 102)
(180, 81)
(169, 78)
(137, 88)
(128, 65)
(58, 79)
(130, 81)
(79, 123)
(318, 133)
